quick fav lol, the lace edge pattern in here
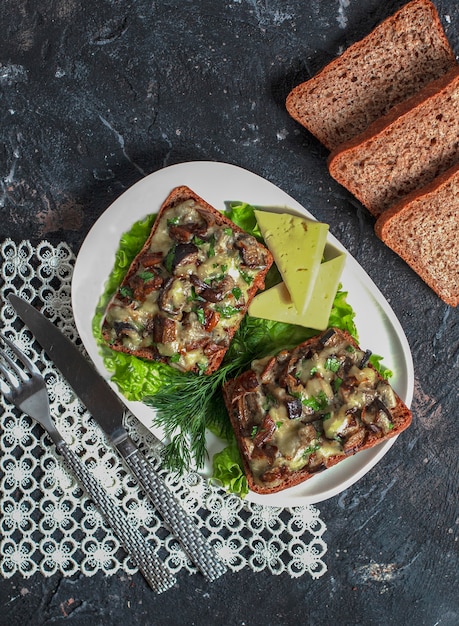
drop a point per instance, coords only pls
(49, 525)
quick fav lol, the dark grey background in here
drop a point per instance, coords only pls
(94, 96)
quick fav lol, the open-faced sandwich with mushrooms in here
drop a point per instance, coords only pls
(188, 289)
(304, 410)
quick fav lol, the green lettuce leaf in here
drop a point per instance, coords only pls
(243, 215)
(377, 363)
(228, 472)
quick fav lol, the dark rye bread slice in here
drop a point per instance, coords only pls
(188, 289)
(392, 63)
(423, 229)
(305, 410)
(403, 150)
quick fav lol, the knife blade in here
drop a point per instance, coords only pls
(108, 411)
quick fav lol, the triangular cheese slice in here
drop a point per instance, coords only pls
(297, 245)
(277, 305)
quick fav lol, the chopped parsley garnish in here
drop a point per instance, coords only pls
(126, 292)
(312, 448)
(211, 251)
(332, 363)
(316, 403)
(237, 292)
(146, 275)
(202, 366)
(200, 315)
(194, 297)
(168, 261)
(337, 383)
(227, 310)
(246, 277)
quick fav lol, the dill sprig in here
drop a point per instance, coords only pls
(186, 405)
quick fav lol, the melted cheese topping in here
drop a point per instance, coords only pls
(189, 290)
(311, 404)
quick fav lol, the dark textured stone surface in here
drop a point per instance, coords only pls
(94, 96)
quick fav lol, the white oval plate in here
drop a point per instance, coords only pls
(220, 183)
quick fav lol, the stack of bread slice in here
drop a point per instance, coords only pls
(388, 109)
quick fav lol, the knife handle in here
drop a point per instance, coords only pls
(139, 549)
(182, 526)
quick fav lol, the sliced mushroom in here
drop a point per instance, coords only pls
(249, 411)
(294, 407)
(141, 286)
(327, 336)
(316, 464)
(125, 329)
(215, 291)
(384, 419)
(151, 259)
(211, 319)
(181, 233)
(249, 381)
(292, 384)
(207, 218)
(306, 435)
(387, 395)
(196, 224)
(268, 374)
(265, 432)
(253, 406)
(164, 329)
(364, 360)
(251, 252)
(184, 254)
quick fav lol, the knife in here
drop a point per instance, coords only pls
(108, 411)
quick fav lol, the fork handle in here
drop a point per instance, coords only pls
(139, 549)
(200, 551)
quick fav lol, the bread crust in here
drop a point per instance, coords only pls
(237, 389)
(401, 55)
(216, 349)
(403, 150)
(422, 229)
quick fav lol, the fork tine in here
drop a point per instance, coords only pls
(5, 387)
(13, 368)
(27, 363)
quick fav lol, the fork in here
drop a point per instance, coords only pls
(25, 388)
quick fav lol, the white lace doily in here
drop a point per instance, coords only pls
(48, 524)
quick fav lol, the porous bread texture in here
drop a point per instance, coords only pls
(423, 230)
(392, 63)
(404, 150)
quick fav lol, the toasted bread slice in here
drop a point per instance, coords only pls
(305, 410)
(404, 150)
(186, 292)
(423, 230)
(399, 57)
